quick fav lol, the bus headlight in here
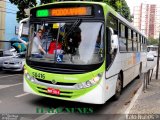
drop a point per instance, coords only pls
(32, 79)
(89, 83)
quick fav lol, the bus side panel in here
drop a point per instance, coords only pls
(127, 67)
(110, 87)
(112, 75)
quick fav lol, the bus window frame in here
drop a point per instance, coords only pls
(120, 23)
(108, 44)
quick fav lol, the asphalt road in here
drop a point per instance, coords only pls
(14, 101)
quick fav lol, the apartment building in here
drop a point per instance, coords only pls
(147, 19)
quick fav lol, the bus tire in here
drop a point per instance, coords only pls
(118, 87)
(140, 71)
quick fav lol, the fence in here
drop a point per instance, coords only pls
(147, 78)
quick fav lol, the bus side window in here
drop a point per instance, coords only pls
(108, 45)
(112, 22)
(122, 38)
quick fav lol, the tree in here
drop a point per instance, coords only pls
(46, 1)
(22, 5)
(120, 6)
(152, 41)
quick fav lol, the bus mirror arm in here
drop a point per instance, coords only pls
(20, 30)
(21, 23)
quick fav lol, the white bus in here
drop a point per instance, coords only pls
(83, 71)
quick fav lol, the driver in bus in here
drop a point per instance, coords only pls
(37, 43)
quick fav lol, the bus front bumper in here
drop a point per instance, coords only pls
(93, 95)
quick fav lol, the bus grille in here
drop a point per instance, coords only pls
(59, 70)
(58, 83)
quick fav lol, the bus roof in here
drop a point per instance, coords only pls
(109, 9)
(99, 3)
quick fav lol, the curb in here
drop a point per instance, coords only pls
(136, 97)
(134, 100)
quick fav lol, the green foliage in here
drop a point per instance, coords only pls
(120, 6)
(22, 5)
(152, 41)
(45, 1)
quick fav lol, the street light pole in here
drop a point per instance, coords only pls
(158, 57)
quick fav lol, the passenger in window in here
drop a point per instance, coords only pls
(55, 44)
(37, 43)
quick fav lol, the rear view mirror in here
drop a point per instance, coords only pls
(114, 40)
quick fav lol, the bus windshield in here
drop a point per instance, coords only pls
(71, 42)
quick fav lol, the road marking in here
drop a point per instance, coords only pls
(6, 86)
(43, 117)
(23, 118)
(21, 95)
(3, 86)
(9, 76)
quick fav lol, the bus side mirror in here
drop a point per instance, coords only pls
(114, 41)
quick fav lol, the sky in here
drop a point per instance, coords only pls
(132, 3)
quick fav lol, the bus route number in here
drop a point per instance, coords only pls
(38, 75)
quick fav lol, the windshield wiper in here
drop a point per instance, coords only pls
(75, 24)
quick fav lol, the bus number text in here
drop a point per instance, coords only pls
(38, 75)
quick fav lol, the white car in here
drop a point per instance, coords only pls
(150, 57)
(15, 63)
(7, 54)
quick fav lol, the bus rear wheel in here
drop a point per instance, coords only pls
(140, 71)
(118, 87)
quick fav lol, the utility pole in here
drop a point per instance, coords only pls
(158, 58)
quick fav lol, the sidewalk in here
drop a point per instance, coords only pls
(148, 101)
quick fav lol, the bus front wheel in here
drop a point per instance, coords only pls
(118, 87)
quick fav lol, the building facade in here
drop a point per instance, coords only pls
(2, 21)
(11, 21)
(147, 19)
(7, 21)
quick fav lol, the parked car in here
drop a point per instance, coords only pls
(150, 56)
(15, 63)
(7, 54)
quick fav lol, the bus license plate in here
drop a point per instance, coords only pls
(53, 91)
